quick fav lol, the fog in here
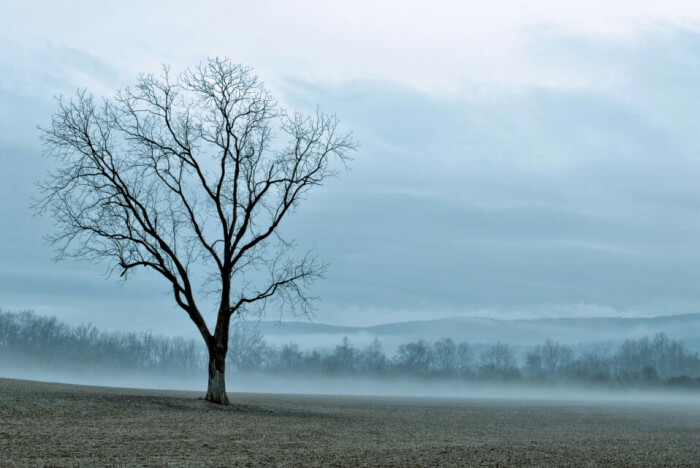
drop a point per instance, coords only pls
(357, 386)
(653, 368)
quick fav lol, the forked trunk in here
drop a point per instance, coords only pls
(216, 391)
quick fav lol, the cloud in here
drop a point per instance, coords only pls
(562, 173)
(435, 46)
(525, 199)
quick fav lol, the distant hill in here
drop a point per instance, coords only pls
(522, 332)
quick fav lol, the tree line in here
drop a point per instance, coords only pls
(29, 336)
(653, 360)
(647, 360)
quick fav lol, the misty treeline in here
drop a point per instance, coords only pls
(646, 361)
(26, 335)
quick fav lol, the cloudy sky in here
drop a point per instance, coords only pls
(518, 159)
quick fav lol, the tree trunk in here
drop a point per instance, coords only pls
(216, 391)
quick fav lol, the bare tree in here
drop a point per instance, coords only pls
(465, 358)
(191, 173)
(247, 349)
(414, 357)
(373, 359)
(445, 355)
(344, 357)
(499, 361)
(548, 359)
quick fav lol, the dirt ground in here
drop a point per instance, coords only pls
(45, 424)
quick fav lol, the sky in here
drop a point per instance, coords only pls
(517, 159)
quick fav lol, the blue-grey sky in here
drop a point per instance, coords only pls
(515, 160)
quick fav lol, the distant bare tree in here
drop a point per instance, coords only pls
(373, 359)
(465, 358)
(289, 358)
(197, 169)
(247, 349)
(548, 359)
(555, 356)
(499, 361)
(414, 357)
(344, 356)
(594, 364)
(445, 355)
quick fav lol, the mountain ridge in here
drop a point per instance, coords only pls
(656, 318)
(570, 330)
